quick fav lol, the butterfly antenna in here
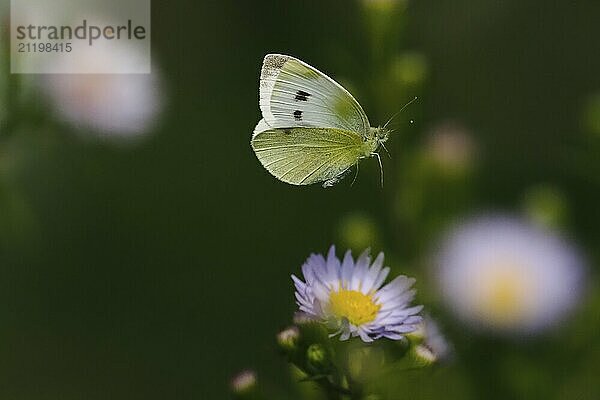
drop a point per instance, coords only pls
(398, 113)
(380, 166)
(355, 176)
(386, 150)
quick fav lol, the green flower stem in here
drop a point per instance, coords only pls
(332, 391)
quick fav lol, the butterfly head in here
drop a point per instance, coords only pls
(380, 134)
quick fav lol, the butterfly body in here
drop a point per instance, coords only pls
(312, 130)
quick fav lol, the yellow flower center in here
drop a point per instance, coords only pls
(505, 301)
(356, 307)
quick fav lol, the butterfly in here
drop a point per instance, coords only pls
(312, 130)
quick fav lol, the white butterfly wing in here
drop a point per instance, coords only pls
(294, 94)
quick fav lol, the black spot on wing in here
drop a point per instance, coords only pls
(298, 115)
(301, 95)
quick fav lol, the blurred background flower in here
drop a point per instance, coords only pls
(449, 145)
(109, 105)
(507, 275)
(117, 106)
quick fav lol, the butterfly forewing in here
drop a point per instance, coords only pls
(294, 94)
(302, 156)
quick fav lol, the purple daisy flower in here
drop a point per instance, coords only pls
(349, 297)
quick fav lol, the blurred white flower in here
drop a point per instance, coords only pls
(110, 105)
(506, 275)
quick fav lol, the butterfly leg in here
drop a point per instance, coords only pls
(355, 176)
(380, 165)
(386, 150)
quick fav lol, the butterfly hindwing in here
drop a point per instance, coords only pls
(302, 156)
(294, 94)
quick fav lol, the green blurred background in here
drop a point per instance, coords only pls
(158, 270)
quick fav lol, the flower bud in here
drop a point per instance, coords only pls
(244, 384)
(317, 357)
(422, 356)
(288, 339)
(428, 344)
